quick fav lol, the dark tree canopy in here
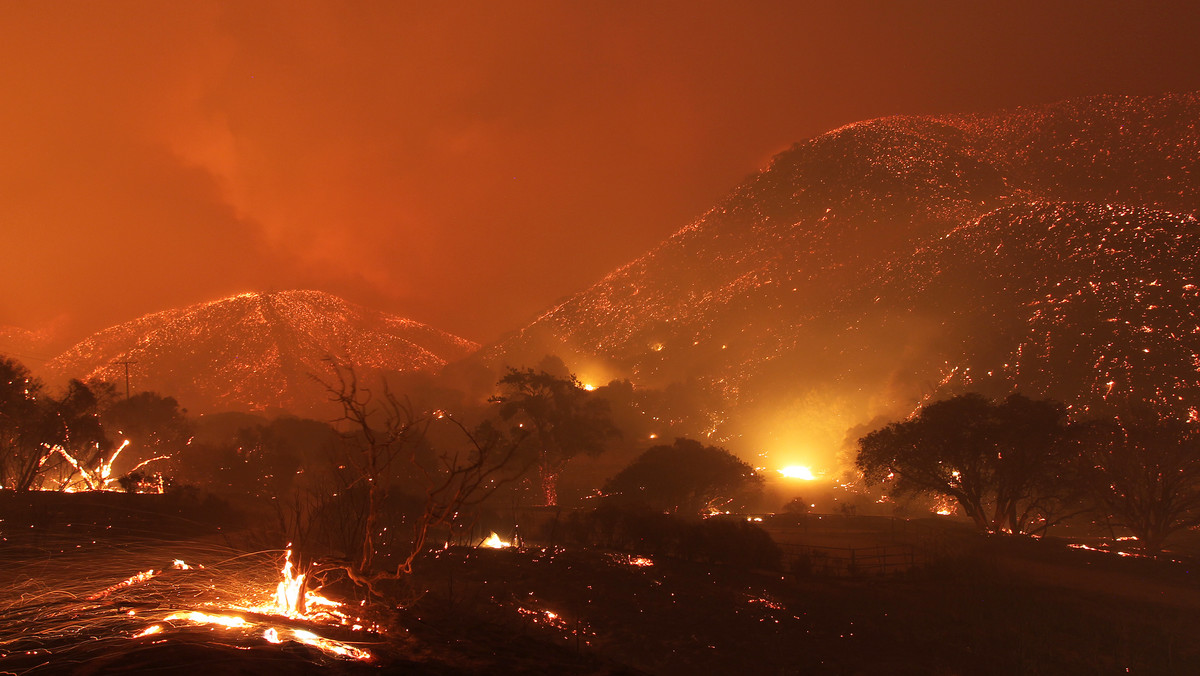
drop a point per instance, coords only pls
(154, 425)
(1001, 462)
(1142, 473)
(20, 443)
(561, 418)
(686, 477)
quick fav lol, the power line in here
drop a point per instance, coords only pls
(23, 354)
(126, 363)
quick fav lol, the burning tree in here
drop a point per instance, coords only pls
(72, 432)
(686, 477)
(1142, 474)
(564, 418)
(43, 436)
(1002, 462)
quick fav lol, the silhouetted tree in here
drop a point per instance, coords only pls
(154, 425)
(148, 420)
(20, 443)
(686, 477)
(564, 420)
(1142, 473)
(1002, 462)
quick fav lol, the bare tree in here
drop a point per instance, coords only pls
(385, 440)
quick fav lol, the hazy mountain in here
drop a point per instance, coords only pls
(896, 259)
(29, 347)
(256, 351)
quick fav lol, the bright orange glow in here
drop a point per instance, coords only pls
(494, 542)
(798, 472)
(208, 618)
(149, 631)
(286, 601)
(287, 593)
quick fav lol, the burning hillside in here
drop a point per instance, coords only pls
(885, 261)
(256, 351)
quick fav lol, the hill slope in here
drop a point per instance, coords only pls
(257, 351)
(896, 259)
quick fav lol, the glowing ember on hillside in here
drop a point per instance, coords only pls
(257, 350)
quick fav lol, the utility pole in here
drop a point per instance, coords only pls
(126, 363)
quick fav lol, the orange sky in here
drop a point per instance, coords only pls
(464, 163)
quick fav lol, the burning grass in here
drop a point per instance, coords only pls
(74, 606)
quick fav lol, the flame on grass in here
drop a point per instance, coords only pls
(287, 592)
(270, 634)
(290, 600)
(1107, 551)
(494, 542)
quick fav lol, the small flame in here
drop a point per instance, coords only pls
(287, 593)
(495, 542)
(149, 631)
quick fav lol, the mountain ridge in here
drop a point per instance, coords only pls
(257, 351)
(794, 270)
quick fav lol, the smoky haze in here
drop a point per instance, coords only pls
(465, 165)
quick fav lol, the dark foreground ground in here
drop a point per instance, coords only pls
(989, 606)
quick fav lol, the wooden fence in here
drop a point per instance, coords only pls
(876, 560)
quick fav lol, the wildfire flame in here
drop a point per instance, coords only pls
(798, 472)
(495, 542)
(290, 600)
(287, 593)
